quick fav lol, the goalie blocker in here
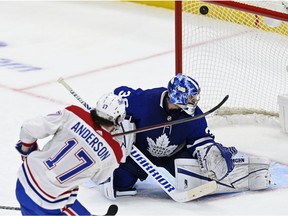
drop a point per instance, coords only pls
(249, 173)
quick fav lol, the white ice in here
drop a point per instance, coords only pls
(97, 46)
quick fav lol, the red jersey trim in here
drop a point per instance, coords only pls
(86, 116)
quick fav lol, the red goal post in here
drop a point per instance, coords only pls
(238, 48)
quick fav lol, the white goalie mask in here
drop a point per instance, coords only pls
(111, 107)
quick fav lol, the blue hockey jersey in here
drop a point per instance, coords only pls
(148, 107)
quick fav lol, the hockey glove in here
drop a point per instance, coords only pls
(216, 158)
(31, 147)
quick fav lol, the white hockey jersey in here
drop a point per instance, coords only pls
(79, 150)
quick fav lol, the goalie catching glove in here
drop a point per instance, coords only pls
(216, 158)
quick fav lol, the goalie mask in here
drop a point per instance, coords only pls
(184, 92)
(111, 107)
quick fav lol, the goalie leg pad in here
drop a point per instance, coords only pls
(121, 183)
(249, 173)
(259, 173)
(110, 193)
(107, 189)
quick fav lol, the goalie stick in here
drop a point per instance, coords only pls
(151, 127)
(112, 210)
(179, 121)
(152, 170)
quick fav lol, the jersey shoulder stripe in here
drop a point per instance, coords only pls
(85, 116)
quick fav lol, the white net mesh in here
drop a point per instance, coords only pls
(237, 53)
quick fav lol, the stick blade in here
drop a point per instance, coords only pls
(202, 190)
(195, 193)
(112, 210)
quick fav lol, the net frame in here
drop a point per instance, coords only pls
(181, 57)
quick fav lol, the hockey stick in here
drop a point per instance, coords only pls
(151, 127)
(179, 121)
(10, 208)
(112, 209)
(153, 171)
(165, 184)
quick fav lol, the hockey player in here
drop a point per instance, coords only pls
(188, 150)
(81, 148)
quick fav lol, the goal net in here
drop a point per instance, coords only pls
(235, 48)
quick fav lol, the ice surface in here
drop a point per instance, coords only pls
(97, 46)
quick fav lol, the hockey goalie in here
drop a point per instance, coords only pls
(188, 151)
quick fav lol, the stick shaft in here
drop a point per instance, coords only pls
(62, 81)
(151, 127)
(179, 121)
(10, 208)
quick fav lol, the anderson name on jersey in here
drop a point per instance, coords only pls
(92, 139)
(79, 150)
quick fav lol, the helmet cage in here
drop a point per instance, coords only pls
(184, 92)
(115, 120)
(191, 106)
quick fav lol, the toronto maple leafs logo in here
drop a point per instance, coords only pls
(161, 147)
